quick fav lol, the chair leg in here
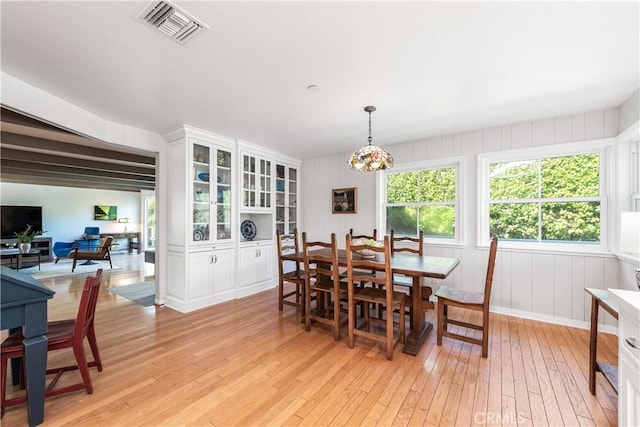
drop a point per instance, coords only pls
(307, 307)
(81, 360)
(110, 264)
(440, 320)
(352, 319)
(389, 325)
(93, 343)
(280, 294)
(367, 314)
(56, 261)
(402, 321)
(485, 333)
(73, 267)
(336, 317)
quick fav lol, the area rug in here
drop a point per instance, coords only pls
(63, 268)
(143, 293)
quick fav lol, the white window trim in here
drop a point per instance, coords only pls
(605, 147)
(457, 162)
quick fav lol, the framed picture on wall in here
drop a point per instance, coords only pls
(344, 200)
(105, 213)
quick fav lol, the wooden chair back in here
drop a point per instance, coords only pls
(289, 271)
(409, 244)
(87, 308)
(321, 266)
(105, 246)
(322, 281)
(359, 267)
(287, 243)
(493, 250)
(374, 236)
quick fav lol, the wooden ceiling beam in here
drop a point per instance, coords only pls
(35, 168)
(45, 178)
(23, 141)
(49, 159)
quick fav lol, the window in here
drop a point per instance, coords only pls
(422, 196)
(549, 197)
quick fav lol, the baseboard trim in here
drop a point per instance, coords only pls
(556, 320)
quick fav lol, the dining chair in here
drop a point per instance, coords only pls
(410, 245)
(289, 271)
(101, 253)
(373, 236)
(478, 301)
(322, 279)
(61, 334)
(382, 294)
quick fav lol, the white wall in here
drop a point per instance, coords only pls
(67, 211)
(546, 286)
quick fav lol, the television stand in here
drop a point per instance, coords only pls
(42, 244)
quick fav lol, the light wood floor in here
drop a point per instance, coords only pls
(244, 363)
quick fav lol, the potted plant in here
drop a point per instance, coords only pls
(26, 236)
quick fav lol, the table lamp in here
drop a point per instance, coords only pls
(630, 236)
(124, 221)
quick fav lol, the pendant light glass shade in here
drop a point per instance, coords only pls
(370, 158)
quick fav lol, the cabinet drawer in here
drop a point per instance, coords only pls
(630, 335)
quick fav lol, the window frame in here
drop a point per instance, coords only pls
(604, 147)
(457, 163)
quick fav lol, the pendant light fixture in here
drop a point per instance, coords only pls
(370, 158)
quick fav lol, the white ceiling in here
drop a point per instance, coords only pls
(430, 68)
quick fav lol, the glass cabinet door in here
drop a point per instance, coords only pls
(292, 196)
(256, 182)
(224, 195)
(248, 181)
(265, 183)
(286, 198)
(201, 192)
(280, 199)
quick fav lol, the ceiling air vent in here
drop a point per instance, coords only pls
(171, 21)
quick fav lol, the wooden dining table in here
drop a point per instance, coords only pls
(415, 266)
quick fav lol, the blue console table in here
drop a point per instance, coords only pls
(23, 303)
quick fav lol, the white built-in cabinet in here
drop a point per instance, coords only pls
(203, 232)
(258, 264)
(257, 233)
(628, 356)
(211, 272)
(223, 203)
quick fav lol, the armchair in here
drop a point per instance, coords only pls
(101, 253)
(91, 233)
(88, 239)
(62, 249)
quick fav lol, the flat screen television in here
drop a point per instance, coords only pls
(16, 218)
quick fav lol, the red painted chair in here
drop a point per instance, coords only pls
(62, 334)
